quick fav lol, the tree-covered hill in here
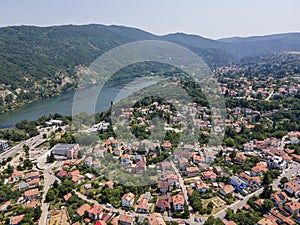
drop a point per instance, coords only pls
(40, 62)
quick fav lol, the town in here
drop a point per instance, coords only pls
(253, 177)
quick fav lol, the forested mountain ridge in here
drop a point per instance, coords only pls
(40, 62)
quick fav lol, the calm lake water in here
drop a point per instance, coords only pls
(63, 104)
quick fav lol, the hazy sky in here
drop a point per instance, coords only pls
(209, 18)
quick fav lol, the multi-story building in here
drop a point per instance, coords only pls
(66, 151)
(3, 145)
(128, 200)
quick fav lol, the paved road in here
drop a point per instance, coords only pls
(184, 191)
(270, 95)
(32, 143)
(84, 197)
(282, 144)
(49, 179)
(181, 182)
(238, 204)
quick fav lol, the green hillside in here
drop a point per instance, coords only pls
(37, 62)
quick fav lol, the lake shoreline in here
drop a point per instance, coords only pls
(62, 103)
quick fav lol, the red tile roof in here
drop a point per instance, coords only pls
(31, 192)
(81, 210)
(15, 220)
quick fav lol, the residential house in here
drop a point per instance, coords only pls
(76, 177)
(167, 146)
(273, 142)
(259, 169)
(276, 162)
(197, 159)
(96, 212)
(218, 170)
(292, 187)
(165, 165)
(82, 209)
(281, 218)
(109, 184)
(34, 183)
(125, 159)
(183, 163)
(128, 200)
(16, 220)
(88, 161)
(279, 198)
(209, 175)
(142, 205)
(192, 171)
(126, 219)
(202, 187)
(156, 219)
(209, 157)
(238, 184)
(163, 204)
(140, 166)
(67, 196)
(248, 147)
(226, 190)
(292, 207)
(137, 158)
(172, 178)
(163, 186)
(5, 206)
(178, 202)
(62, 174)
(240, 159)
(230, 223)
(23, 186)
(32, 175)
(266, 221)
(96, 164)
(31, 194)
(16, 176)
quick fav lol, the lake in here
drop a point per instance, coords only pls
(63, 104)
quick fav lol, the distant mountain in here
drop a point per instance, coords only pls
(257, 45)
(40, 62)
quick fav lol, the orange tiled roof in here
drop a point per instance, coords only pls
(128, 196)
(126, 218)
(67, 196)
(16, 219)
(293, 205)
(228, 188)
(81, 210)
(31, 192)
(143, 204)
(178, 199)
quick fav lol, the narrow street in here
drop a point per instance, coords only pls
(270, 96)
(84, 197)
(49, 179)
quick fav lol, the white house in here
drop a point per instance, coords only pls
(3, 145)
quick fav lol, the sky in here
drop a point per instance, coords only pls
(209, 18)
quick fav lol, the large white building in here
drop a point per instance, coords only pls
(3, 145)
(276, 162)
